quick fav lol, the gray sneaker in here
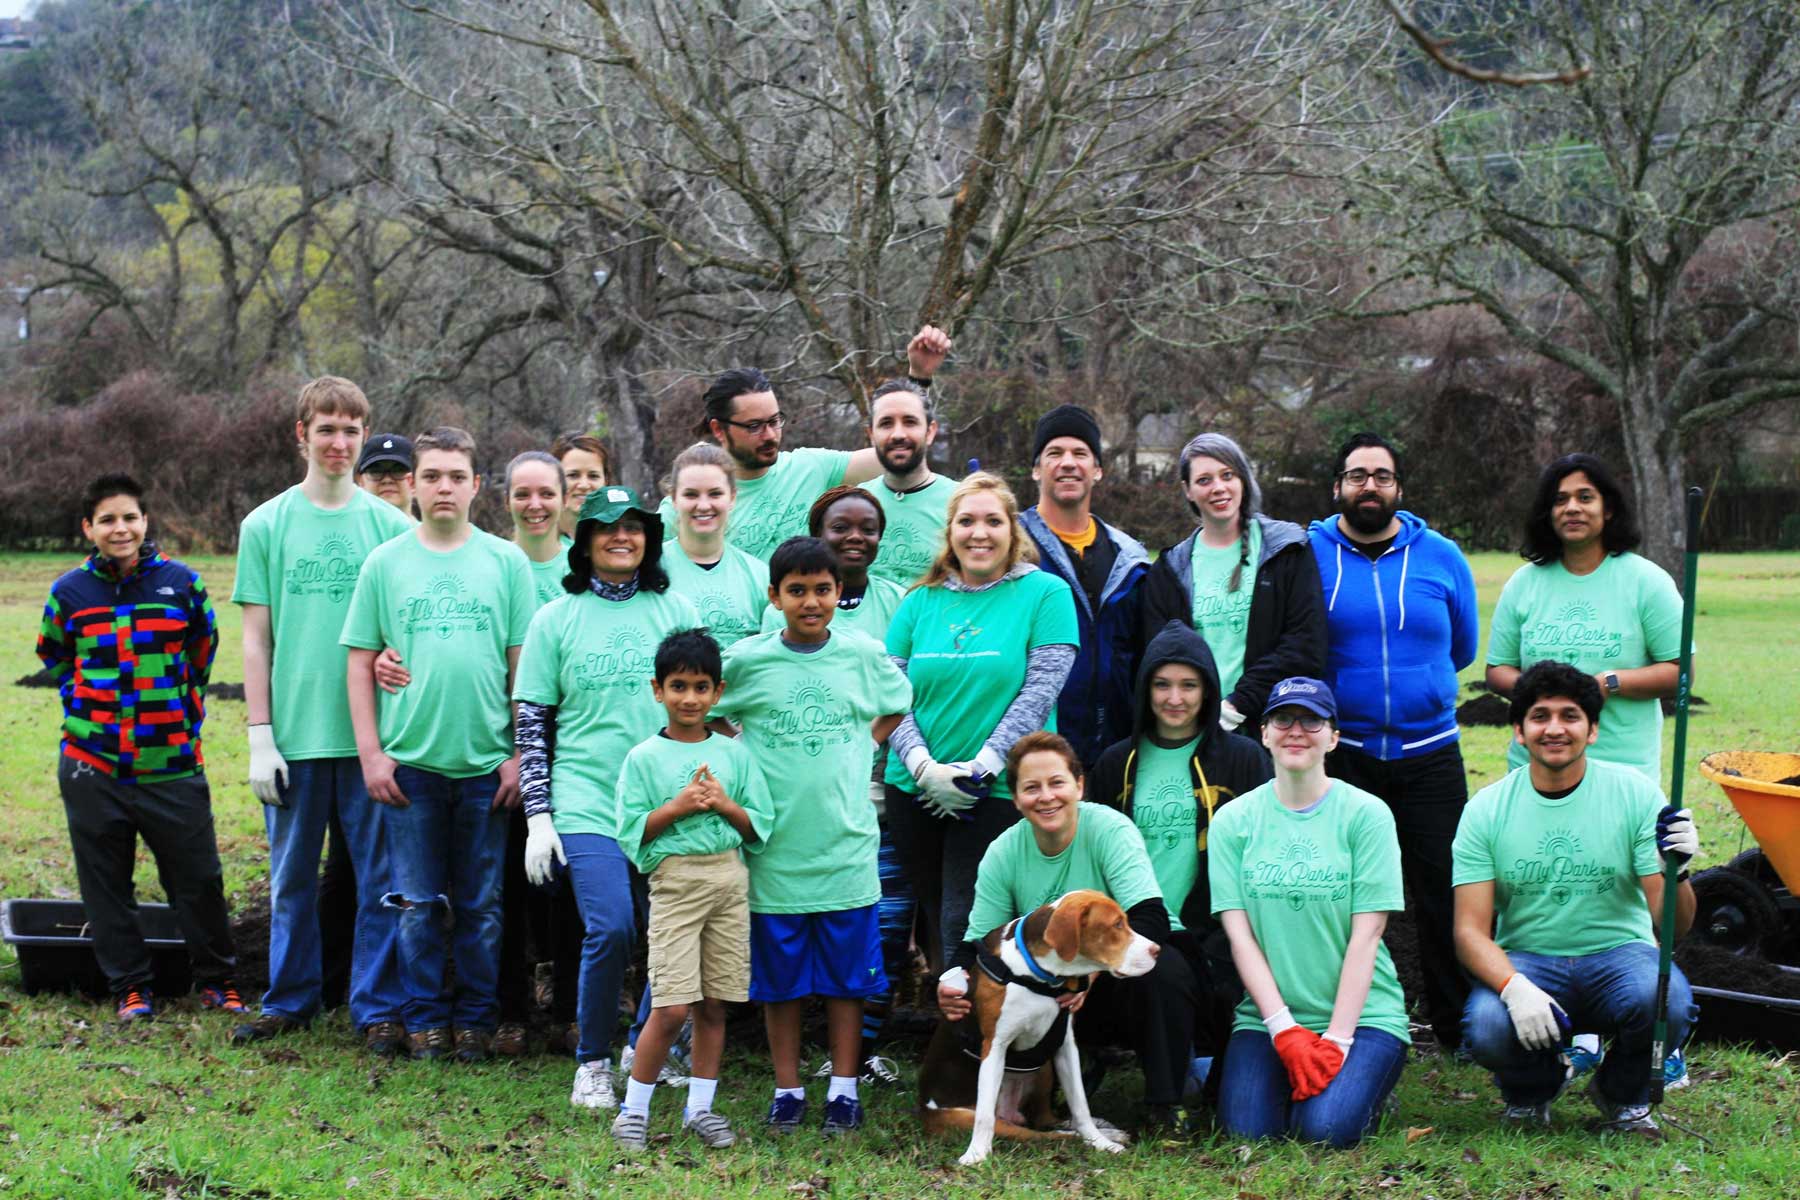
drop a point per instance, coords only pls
(1523, 1115)
(631, 1130)
(1623, 1118)
(713, 1130)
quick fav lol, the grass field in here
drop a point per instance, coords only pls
(90, 1109)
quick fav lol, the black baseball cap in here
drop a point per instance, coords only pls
(385, 448)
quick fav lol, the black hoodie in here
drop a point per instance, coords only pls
(1225, 765)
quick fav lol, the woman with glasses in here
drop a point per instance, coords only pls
(1584, 598)
(1304, 872)
(1247, 582)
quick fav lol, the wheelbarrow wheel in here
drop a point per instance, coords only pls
(1756, 865)
(1734, 912)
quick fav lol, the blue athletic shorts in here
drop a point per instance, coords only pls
(833, 954)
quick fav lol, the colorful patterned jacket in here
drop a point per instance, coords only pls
(131, 658)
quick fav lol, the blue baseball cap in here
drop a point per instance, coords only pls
(1314, 695)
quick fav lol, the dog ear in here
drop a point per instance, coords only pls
(1064, 933)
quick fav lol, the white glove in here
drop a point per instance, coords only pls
(541, 845)
(268, 770)
(1538, 1020)
(1229, 717)
(1676, 835)
(941, 793)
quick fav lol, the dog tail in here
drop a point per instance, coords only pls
(947, 1120)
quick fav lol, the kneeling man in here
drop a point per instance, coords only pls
(1564, 851)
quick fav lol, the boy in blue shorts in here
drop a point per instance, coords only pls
(690, 801)
(812, 705)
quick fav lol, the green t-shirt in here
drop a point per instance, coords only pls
(452, 616)
(547, 577)
(1565, 872)
(658, 767)
(731, 596)
(593, 660)
(301, 562)
(806, 721)
(1221, 615)
(1299, 877)
(772, 508)
(965, 654)
(1015, 877)
(869, 618)
(1163, 806)
(915, 529)
(1625, 613)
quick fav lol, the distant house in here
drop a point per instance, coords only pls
(15, 33)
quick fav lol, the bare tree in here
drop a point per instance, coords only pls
(1593, 221)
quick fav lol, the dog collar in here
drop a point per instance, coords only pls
(1031, 964)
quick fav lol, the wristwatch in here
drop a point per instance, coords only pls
(1612, 683)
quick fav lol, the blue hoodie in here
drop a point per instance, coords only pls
(1400, 629)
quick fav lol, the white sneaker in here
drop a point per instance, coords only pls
(1623, 1118)
(671, 1073)
(876, 1071)
(594, 1086)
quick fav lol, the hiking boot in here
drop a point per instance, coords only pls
(385, 1039)
(594, 1086)
(843, 1115)
(224, 997)
(509, 1040)
(786, 1113)
(1523, 1116)
(713, 1130)
(136, 1005)
(1623, 1118)
(428, 1045)
(472, 1046)
(267, 1025)
(631, 1130)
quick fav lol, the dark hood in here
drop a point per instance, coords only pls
(1178, 643)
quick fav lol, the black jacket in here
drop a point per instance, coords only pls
(1224, 765)
(1286, 635)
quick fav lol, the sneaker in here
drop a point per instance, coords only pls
(1623, 1118)
(1520, 1115)
(713, 1130)
(786, 1113)
(472, 1046)
(1583, 1055)
(876, 1071)
(631, 1130)
(428, 1045)
(224, 997)
(594, 1086)
(384, 1039)
(1675, 1073)
(509, 1040)
(267, 1025)
(672, 1068)
(136, 1005)
(1165, 1121)
(843, 1115)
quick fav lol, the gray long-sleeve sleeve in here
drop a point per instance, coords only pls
(1046, 670)
(907, 734)
(531, 735)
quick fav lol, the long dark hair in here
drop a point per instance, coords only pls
(1620, 532)
(651, 575)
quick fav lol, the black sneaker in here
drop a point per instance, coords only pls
(843, 1115)
(268, 1025)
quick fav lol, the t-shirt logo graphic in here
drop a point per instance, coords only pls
(1574, 633)
(811, 720)
(443, 610)
(330, 571)
(622, 662)
(963, 632)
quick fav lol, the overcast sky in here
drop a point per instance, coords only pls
(14, 8)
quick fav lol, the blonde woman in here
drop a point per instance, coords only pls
(987, 640)
(729, 586)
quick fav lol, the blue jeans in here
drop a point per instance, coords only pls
(316, 788)
(601, 877)
(448, 850)
(1612, 993)
(1255, 1097)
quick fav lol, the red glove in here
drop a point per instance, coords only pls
(1296, 1046)
(1324, 1060)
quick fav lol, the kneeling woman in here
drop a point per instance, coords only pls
(1065, 844)
(1305, 870)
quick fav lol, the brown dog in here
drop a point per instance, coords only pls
(1024, 966)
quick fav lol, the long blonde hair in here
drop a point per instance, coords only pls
(1021, 550)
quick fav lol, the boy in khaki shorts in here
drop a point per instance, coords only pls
(690, 801)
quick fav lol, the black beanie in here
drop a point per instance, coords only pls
(1066, 420)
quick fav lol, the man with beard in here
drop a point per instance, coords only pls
(914, 499)
(776, 487)
(1401, 616)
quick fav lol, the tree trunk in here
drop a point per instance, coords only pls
(1658, 476)
(629, 418)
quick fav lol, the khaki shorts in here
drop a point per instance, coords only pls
(699, 929)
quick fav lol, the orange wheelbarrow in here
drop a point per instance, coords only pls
(1750, 906)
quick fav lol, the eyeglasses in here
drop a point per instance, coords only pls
(387, 471)
(1311, 722)
(1357, 477)
(753, 428)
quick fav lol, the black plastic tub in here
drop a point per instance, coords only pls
(57, 955)
(1768, 1022)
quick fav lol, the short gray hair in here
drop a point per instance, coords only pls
(1227, 451)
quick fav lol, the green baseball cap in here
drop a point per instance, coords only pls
(606, 505)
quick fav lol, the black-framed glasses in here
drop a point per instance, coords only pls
(387, 470)
(755, 428)
(1357, 477)
(1311, 722)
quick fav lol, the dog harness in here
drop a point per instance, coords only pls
(1024, 1058)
